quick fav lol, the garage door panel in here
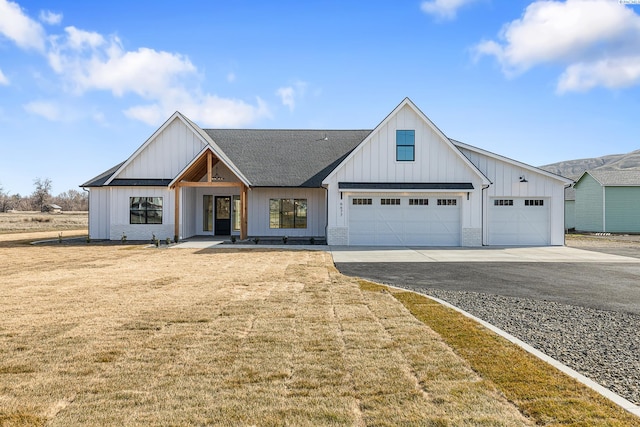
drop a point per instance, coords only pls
(404, 223)
(519, 221)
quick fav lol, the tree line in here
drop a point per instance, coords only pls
(71, 200)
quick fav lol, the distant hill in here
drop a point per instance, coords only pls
(574, 168)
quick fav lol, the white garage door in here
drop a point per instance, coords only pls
(416, 221)
(519, 221)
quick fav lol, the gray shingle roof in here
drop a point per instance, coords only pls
(286, 158)
(615, 178)
(99, 180)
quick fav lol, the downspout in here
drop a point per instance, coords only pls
(326, 215)
(484, 229)
(604, 210)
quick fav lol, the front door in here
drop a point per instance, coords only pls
(223, 216)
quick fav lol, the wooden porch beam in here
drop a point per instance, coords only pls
(243, 212)
(176, 220)
(209, 184)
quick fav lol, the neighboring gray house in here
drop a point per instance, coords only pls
(608, 201)
(402, 183)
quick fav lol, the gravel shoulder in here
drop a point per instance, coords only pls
(602, 345)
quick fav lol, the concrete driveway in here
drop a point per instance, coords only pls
(562, 274)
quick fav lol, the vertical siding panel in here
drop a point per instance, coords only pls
(588, 205)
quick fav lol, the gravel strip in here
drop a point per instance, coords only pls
(602, 345)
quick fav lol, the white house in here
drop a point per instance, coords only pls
(402, 183)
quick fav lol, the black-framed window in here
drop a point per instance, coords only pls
(447, 202)
(405, 145)
(503, 202)
(534, 202)
(287, 213)
(145, 210)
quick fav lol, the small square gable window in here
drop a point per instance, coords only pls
(405, 145)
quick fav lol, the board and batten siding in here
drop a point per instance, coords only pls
(99, 221)
(120, 214)
(505, 178)
(258, 211)
(589, 205)
(436, 161)
(172, 149)
(622, 209)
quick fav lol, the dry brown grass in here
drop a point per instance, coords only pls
(123, 335)
(539, 390)
(20, 222)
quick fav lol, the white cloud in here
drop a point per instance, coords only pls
(443, 9)
(4, 81)
(46, 109)
(17, 26)
(598, 41)
(206, 110)
(88, 61)
(288, 95)
(50, 18)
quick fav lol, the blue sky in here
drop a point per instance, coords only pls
(83, 84)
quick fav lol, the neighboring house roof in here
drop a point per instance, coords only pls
(618, 178)
(286, 158)
(53, 206)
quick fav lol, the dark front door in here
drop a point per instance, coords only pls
(223, 216)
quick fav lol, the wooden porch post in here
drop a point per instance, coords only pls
(243, 212)
(176, 229)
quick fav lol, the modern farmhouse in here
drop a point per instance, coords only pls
(402, 183)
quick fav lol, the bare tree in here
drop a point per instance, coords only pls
(72, 200)
(4, 199)
(41, 194)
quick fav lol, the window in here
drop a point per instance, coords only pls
(405, 145)
(389, 201)
(447, 202)
(235, 215)
(145, 210)
(503, 202)
(534, 202)
(207, 213)
(418, 202)
(287, 213)
(361, 201)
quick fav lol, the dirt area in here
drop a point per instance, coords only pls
(128, 335)
(12, 222)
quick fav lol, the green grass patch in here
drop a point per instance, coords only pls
(543, 393)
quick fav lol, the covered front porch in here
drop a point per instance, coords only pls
(210, 199)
